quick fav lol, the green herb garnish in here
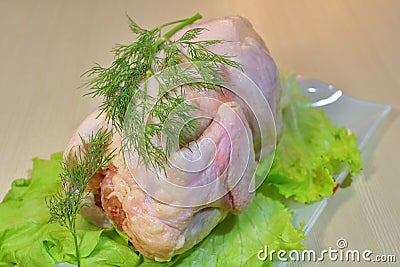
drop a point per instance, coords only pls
(121, 87)
(77, 168)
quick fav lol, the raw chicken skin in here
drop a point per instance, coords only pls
(225, 156)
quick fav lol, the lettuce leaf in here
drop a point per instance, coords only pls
(27, 239)
(311, 150)
(237, 240)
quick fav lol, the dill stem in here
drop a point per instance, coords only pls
(178, 27)
(75, 236)
(182, 23)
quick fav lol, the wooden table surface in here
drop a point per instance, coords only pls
(353, 44)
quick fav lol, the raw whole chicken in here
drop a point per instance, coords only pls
(158, 229)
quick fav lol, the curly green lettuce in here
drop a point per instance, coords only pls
(311, 150)
(27, 239)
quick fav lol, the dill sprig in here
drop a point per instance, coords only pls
(120, 86)
(77, 168)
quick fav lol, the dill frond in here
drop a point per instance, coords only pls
(120, 86)
(77, 168)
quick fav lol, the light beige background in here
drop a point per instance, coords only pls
(354, 45)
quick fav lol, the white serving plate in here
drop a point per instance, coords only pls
(361, 117)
